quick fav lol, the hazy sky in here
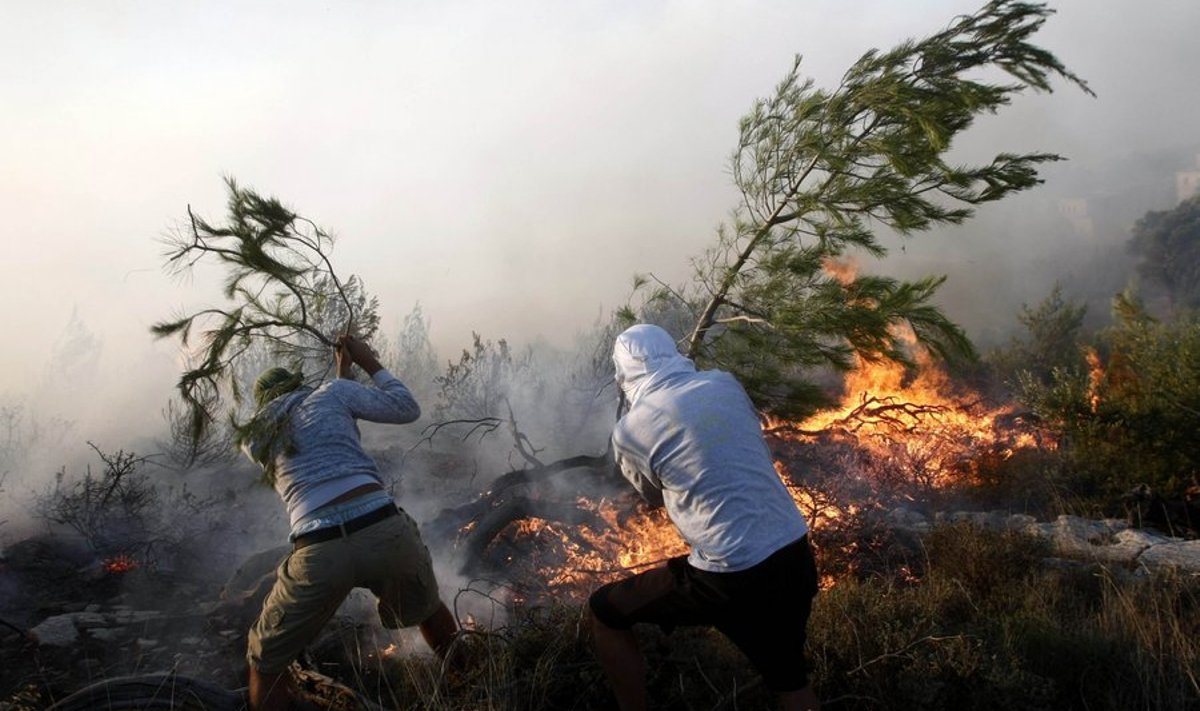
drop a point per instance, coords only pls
(508, 164)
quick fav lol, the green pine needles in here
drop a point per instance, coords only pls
(821, 172)
(287, 304)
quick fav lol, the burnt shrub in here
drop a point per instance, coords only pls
(121, 512)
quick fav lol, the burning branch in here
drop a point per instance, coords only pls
(890, 413)
(887, 412)
(501, 495)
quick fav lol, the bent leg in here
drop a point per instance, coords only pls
(623, 663)
(662, 596)
(268, 692)
(440, 630)
(803, 700)
(309, 586)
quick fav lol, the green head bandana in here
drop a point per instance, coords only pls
(275, 382)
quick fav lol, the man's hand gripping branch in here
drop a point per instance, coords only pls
(349, 352)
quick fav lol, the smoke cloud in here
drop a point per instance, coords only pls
(509, 166)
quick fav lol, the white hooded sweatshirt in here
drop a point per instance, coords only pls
(693, 441)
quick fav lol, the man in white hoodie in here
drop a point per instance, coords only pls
(692, 441)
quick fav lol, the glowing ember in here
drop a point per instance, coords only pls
(122, 563)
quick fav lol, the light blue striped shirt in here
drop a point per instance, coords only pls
(327, 458)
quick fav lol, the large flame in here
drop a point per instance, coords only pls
(896, 414)
(575, 558)
(916, 415)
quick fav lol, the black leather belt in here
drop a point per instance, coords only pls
(345, 529)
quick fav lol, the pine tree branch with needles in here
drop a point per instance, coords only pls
(822, 173)
(287, 304)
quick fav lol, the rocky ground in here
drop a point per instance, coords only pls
(1115, 542)
(68, 620)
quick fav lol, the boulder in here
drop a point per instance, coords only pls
(56, 631)
(1073, 535)
(1183, 556)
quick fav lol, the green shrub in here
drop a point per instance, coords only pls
(1133, 419)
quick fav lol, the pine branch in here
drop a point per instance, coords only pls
(284, 291)
(821, 172)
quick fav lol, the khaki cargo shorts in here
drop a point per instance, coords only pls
(387, 557)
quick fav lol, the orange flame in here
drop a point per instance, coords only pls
(843, 270)
(1095, 377)
(888, 410)
(918, 415)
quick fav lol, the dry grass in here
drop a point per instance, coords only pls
(981, 622)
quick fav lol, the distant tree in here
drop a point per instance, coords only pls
(1052, 340)
(286, 303)
(1168, 246)
(820, 172)
(476, 395)
(413, 357)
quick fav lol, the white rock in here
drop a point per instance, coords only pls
(1124, 553)
(1081, 536)
(1182, 555)
(1137, 536)
(90, 619)
(1020, 522)
(106, 634)
(57, 631)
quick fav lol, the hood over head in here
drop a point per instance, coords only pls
(644, 354)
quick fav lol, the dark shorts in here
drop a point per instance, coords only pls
(763, 610)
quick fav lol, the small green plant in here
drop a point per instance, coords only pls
(1053, 340)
